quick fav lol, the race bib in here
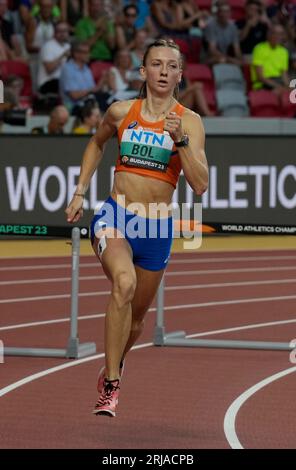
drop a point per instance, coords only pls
(146, 149)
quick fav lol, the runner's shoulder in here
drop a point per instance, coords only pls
(191, 120)
(118, 110)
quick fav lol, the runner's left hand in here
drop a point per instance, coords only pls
(173, 124)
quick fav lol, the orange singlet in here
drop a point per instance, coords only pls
(146, 149)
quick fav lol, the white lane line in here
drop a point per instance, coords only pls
(52, 370)
(52, 297)
(229, 420)
(102, 315)
(244, 327)
(47, 266)
(168, 288)
(191, 286)
(50, 322)
(231, 414)
(50, 280)
(230, 271)
(229, 259)
(153, 309)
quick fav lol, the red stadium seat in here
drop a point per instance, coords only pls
(195, 48)
(211, 99)
(98, 67)
(21, 69)
(200, 73)
(191, 51)
(288, 108)
(264, 103)
(184, 46)
(246, 69)
(204, 4)
(238, 11)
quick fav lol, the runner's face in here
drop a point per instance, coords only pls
(162, 71)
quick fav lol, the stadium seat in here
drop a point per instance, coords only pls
(238, 11)
(190, 50)
(210, 96)
(98, 67)
(228, 76)
(246, 68)
(200, 73)
(184, 47)
(204, 4)
(232, 103)
(288, 108)
(21, 69)
(264, 103)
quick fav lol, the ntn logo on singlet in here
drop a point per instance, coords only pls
(146, 144)
(155, 139)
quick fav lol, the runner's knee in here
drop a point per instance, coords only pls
(124, 287)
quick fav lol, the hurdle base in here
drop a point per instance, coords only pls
(83, 350)
(76, 350)
(174, 339)
(160, 337)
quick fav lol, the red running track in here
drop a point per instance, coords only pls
(170, 397)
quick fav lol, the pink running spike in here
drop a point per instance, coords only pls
(108, 400)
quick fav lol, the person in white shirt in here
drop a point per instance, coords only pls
(53, 55)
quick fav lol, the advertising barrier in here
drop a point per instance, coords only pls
(252, 181)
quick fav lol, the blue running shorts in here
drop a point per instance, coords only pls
(149, 239)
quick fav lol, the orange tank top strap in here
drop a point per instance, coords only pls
(131, 116)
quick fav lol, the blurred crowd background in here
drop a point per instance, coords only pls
(73, 58)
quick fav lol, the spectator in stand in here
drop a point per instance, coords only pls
(29, 9)
(59, 117)
(270, 63)
(140, 44)
(125, 29)
(222, 39)
(89, 119)
(191, 17)
(10, 45)
(252, 29)
(284, 13)
(5, 51)
(98, 30)
(123, 82)
(191, 95)
(40, 27)
(76, 81)
(143, 19)
(72, 11)
(15, 85)
(53, 55)
(164, 16)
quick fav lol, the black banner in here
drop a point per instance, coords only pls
(252, 180)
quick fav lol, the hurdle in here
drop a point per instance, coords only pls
(179, 338)
(74, 349)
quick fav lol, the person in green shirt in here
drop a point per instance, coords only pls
(270, 63)
(98, 30)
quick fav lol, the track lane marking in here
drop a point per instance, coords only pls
(191, 286)
(232, 411)
(201, 260)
